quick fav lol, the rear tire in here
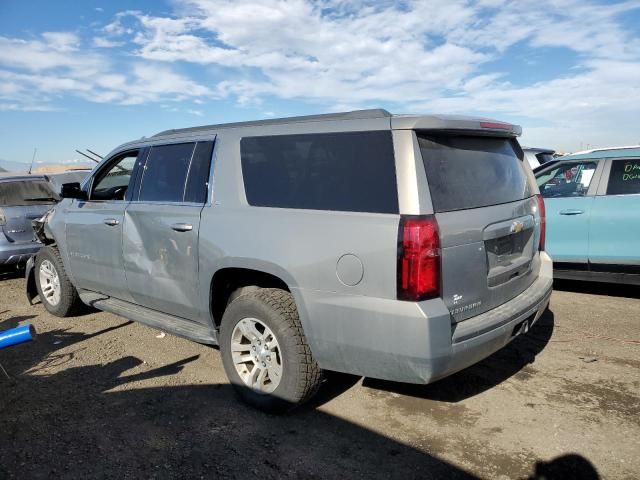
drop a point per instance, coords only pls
(57, 293)
(280, 372)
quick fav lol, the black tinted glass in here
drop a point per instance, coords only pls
(624, 178)
(470, 172)
(165, 173)
(197, 182)
(26, 193)
(352, 171)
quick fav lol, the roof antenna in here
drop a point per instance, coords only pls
(32, 160)
(94, 153)
(85, 155)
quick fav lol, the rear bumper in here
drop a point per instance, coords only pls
(414, 342)
(13, 253)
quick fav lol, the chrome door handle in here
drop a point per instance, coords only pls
(571, 212)
(112, 222)
(182, 227)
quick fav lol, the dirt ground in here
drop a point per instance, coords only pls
(98, 396)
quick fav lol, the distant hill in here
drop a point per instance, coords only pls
(2, 169)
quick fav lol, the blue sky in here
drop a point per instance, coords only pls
(95, 74)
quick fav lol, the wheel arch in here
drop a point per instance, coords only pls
(228, 279)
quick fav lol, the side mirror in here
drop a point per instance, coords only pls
(73, 190)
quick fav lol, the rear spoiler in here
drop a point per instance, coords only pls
(456, 124)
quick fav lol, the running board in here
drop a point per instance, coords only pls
(162, 321)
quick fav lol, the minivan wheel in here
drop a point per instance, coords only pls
(57, 293)
(265, 353)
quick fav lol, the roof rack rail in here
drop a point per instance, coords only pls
(353, 115)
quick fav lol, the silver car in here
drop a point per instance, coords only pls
(395, 247)
(23, 198)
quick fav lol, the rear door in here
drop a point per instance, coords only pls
(161, 228)
(483, 195)
(569, 189)
(614, 229)
(20, 202)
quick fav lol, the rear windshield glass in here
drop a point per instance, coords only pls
(353, 171)
(470, 172)
(26, 193)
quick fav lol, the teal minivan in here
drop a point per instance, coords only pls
(592, 204)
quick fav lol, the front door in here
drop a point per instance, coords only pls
(161, 229)
(568, 199)
(94, 229)
(615, 219)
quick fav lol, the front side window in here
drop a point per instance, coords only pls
(351, 171)
(112, 183)
(165, 173)
(566, 180)
(624, 178)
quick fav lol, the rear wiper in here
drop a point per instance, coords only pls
(41, 199)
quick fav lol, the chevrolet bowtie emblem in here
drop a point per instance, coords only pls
(517, 227)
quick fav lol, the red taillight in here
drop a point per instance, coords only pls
(543, 221)
(418, 258)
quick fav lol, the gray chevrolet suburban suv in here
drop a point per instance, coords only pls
(395, 247)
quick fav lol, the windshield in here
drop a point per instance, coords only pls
(472, 171)
(27, 192)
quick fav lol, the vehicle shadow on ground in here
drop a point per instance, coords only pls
(11, 273)
(598, 288)
(82, 423)
(513, 359)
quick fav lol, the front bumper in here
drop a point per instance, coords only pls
(415, 342)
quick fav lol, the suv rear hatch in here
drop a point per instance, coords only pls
(20, 202)
(484, 201)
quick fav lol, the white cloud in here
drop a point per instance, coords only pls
(414, 55)
(104, 42)
(33, 73)
(424, 55)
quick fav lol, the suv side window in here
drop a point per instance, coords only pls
(352, 171)
(624, 178)
(113, 182)
(567, 180)
(165, 173)
(198, 180)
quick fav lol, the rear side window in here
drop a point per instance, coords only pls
(26, 193)
(198, 179)
(165, 173)
(353, 171)
(470, 172)
(624, 178)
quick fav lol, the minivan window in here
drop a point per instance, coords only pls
(624, 178)
(165, 173)
(351, 171)
(472, 171)
(28, 192)
(198, 180)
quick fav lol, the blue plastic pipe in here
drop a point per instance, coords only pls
(16, 336)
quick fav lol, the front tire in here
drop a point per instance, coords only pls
(265, 353)
(57, 293)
